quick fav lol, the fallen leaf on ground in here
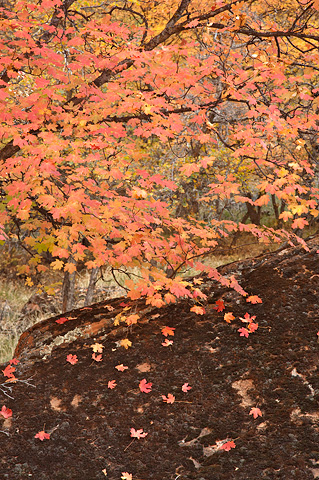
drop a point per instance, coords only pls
(144, 386)
(121, 367)
(169, 399)
(228, 446)
(138, 433)
(255, 412)
(167, 331)
(42, 435)
(6, 412)
(73, 359)
(186, 387)
(111, 384)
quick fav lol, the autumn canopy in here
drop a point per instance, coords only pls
(115, 114)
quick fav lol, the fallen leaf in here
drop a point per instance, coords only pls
(132, 319)
(62, 320)
(253, 327)
(243, 332)
(247, 318)
(169, 399)
(126, 476)
(186, 387)
(42, 435)
(198, 310)
(109, 307)
(167, 331)
(138, 433)
(167, 342)
(144, 386)
(8, 371)
(228, 317)
(6, 412)
(97, 347)
(254, 299)
(121, 367)
(97, 358)
(228, 446)
(73, 359)
(255, 412)
(111, 384)
(143, 367)
(219, 306)
(126, 343)
(14, 361)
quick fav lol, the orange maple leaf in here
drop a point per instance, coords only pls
(126, 343)
(167, 331)
(254, 299)
(255, 412)
(198, 310)
(228, 317)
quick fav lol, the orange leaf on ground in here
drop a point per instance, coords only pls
(167, 331)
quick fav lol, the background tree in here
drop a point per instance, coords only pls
(233, 87)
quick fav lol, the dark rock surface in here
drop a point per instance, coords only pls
(275, 369)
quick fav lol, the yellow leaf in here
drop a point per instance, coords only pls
(57, 264)
(228, 317)
(29, 282)
(126, 343)
(97, 347)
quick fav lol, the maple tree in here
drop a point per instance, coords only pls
(91, 93)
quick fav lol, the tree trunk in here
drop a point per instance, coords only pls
(68, 291)
(90, 290)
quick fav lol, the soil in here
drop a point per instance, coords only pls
(275, 370)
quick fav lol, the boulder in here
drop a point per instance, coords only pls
(209, 431)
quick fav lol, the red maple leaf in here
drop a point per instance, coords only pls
(14, 361)
(243, 332)
(42, 435)
(73, 359)
(6, 412)
(62, 320)
(144, 386)
(219, 306)
(228, 446)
